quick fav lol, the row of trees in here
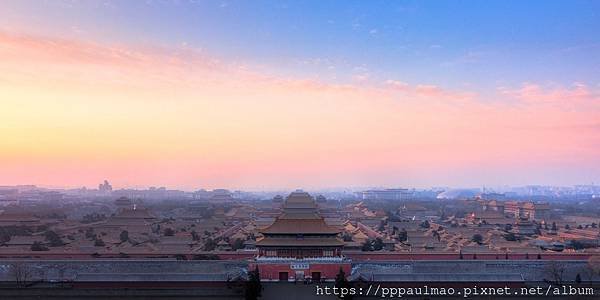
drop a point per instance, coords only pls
(253, 286)
(53, 239)
(373, 245)
(211, 244)
(7, 232)
(92, 218)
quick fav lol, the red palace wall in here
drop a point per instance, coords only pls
(355, 256)
(271, 271)
(379, 256)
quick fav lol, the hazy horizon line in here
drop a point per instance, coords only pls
(308, 189)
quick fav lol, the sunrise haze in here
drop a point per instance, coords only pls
(291, 95)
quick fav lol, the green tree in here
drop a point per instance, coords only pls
(577, 245)
(99, 243)
(341, 282)
(38, 246)
(195, 236)
(378, 244)
(209, 245)
(89, 233)
(92, 218)
(367, 246)
(477, 238)
(253, 287)
(205, 257)
(4, 237)
(381, 227)
(169, 232)
(511, 237)
(237, 244)
(347, 237)
(53, 238)
(425, 224)
(124, 236)
(403, 235)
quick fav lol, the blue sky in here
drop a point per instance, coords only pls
(300, 93)
(448, 43)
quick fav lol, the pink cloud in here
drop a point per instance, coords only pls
(142, 113)
(577, 94)
(118, 62)
(397, 85)
(429, 91)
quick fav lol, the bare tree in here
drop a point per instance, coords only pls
(589, 273)
(556, 271)
(593, 267)
(21, 273)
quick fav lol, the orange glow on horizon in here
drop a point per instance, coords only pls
(75, 112)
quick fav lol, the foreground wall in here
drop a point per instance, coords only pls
(298, 271)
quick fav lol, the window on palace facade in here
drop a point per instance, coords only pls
(327, 252)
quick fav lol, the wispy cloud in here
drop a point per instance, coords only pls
(470, 57)
(429, 91)
(173, 115)
(576, 96)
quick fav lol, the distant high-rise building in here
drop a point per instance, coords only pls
(386, 194)
(105, 187)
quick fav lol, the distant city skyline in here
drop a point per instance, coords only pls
(281, 95)
(325, 189)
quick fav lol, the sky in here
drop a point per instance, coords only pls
(299, 94)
